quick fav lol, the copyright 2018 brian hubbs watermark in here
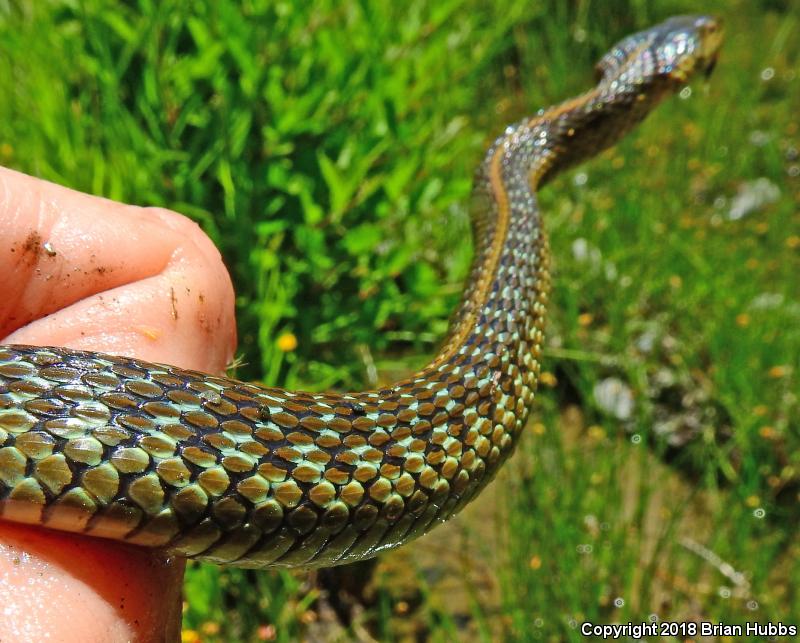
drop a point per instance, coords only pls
(686, 629)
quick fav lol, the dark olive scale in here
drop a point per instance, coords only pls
(241, 474)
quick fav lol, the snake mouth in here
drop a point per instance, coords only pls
(710, 68)
(711, 33)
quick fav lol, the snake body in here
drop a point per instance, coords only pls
(240, 474)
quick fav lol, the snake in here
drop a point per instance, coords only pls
(240, 474)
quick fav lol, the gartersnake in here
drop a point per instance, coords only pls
(235, 473)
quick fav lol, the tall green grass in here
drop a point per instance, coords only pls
(327, 148)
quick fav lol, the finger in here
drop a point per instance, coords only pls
(62, 587)
(92, 274)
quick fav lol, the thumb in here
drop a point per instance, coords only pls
(91, 274)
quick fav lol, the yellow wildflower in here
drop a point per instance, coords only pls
(287, 342)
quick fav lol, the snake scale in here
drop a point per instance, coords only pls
(239, 474)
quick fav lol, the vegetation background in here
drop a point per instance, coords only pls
(328, 147)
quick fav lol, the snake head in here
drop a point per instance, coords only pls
(687, 45)
(674, 50)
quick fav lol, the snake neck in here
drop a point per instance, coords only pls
(495, 341)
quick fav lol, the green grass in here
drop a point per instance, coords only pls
(327, 147)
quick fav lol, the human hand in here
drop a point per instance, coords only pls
(88, 273)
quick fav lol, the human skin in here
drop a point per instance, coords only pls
(88, 273)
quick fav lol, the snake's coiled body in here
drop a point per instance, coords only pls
(236, 473)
